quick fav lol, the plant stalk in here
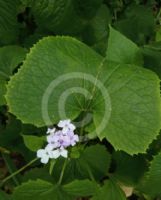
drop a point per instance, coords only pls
(62, 172)
(18, 171)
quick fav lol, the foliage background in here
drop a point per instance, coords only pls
(22, 24)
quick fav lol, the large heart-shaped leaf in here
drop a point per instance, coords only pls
(62, 77)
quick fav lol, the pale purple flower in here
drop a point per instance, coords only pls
(58, 141)
(66, 125)
(73, 138)
(52, 145)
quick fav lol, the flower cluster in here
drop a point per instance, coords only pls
(58, 141)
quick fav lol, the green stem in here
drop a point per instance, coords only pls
(158, 16)
(10, 166)
(62, 172)
(52, 163)
(18, 171)
(84, 114)
(81, 129)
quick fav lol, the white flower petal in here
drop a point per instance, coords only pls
(50, 130)
(45, 159)
(48, 148)
(73, 143)
(64, 153)
(71, 127)
(76, 138)
(67, 121)
(48, 138)
(65, 130)
(40, 153)
(55, 154)
(63, 123)
(53, 130)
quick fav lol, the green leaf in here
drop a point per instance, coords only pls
(8, 21)
(87, 8)
(97, 165)
(130, 115)
(56, 16)
(71, 53)
(152, 55)
(81, 188)
(29, 129)
(96, 33)
(5, 196)
(10, 57)
(111, 191)
(41, 190)
(120, 49)
(123, 100)
(154, 147)
(37, 173)
(9, 137)
(34, 142)
(97, 28)
(129, 169)
(32, 39)
(151, 184)
(137, 27)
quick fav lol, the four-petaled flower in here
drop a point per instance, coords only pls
(59, 140)
(45, 154)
